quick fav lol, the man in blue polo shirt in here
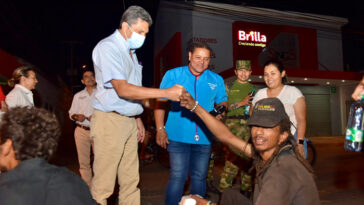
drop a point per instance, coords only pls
(188, 140)
(115, 127)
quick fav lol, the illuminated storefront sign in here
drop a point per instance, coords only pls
(295, 47)
(252, 38)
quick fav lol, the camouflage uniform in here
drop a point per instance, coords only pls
(240, 129)
(237, 124)
(210, 176)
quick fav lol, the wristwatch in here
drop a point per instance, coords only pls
(301, 141)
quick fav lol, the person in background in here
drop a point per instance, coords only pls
(80, 112)
(3, 105)
(24, 81)
(2, 97)
(115, 125)
(188, 141)
(236, 121)
(359, 90)
(283, 176)
(275, 78)
(28, 138)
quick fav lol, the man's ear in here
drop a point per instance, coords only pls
(283, 137)
(7, 147)
(83, 82)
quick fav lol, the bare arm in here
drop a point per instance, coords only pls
(215, 126)
(359, 90)
(130, 91)
(300, 113)
(243, 102)
(159, 112)
(141, 129)
(4, 106)
(78, 117)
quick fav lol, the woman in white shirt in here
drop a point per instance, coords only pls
(291, 97)
(23, 81)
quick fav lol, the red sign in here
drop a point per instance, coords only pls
(295, 47)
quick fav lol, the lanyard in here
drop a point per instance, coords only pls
(197, 138)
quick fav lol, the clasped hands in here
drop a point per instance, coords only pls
(187, 101)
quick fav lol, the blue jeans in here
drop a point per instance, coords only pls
(187, 158)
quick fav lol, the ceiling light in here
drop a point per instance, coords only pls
(305, 79)
(343, 81)
(328, 83)
(260, 76)
(292, 81)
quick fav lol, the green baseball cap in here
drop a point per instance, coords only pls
(243, 64)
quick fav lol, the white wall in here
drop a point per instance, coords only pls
(196, 26)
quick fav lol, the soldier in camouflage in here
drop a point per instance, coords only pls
(238, 98)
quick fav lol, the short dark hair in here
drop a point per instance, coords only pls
(34, 132)
(133, 13)
(193, 45)
(87, 70)
(279, 65)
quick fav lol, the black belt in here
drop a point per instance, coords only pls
(134, 116)
(83, 127)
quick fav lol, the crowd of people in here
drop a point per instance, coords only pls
(269, 137)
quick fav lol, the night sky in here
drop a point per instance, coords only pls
(42, 32)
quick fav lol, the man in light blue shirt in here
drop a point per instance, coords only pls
(115, 128)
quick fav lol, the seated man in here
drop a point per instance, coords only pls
(28, 137)
(282, 175)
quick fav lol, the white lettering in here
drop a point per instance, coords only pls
(254, 36)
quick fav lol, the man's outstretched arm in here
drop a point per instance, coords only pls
(215, 126)
(130, 91)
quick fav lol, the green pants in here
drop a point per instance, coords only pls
(235, 157)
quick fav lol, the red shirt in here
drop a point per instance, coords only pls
(2, 96)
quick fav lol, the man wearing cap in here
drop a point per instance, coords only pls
(238, 99)
(282, 175)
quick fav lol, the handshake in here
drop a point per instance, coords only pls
(179, 93)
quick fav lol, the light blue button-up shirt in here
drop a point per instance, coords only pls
(112, 60)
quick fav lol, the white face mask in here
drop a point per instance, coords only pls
(136, 40)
